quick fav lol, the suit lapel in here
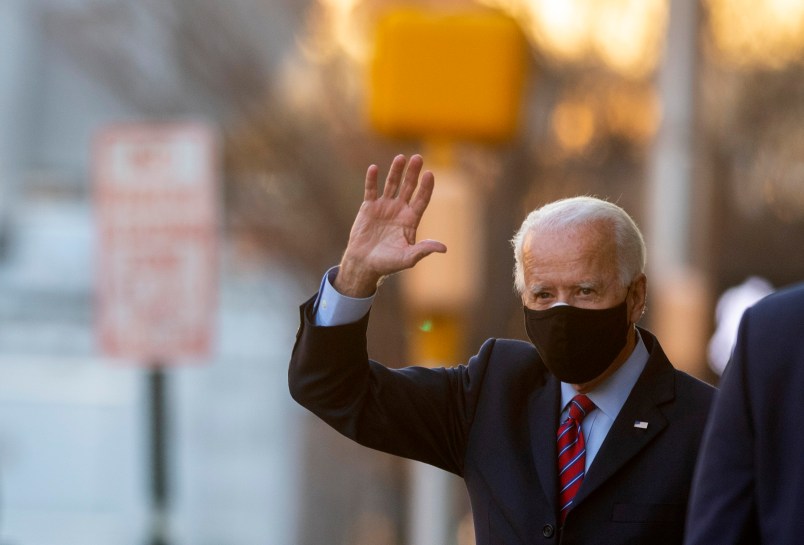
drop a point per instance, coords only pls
(639, 421)
(543, 413)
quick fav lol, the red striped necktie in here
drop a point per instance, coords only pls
(572, 453)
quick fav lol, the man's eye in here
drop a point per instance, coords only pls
(543, 295)
(587, 291)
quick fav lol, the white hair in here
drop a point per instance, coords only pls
(578, 211)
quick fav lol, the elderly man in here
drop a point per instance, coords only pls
(587, 435)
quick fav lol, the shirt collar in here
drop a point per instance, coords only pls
(610, 395)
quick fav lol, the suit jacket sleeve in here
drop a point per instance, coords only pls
(722, 507)
(415, 412)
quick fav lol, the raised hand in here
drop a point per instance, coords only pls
(383, 236)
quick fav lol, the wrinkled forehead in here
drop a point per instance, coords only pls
(590, 235)
(588, 249)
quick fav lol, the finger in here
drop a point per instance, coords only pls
(431, 246)
(422, 198)
(411, 177)
(370, 189)
(394, 177)
(423, 248)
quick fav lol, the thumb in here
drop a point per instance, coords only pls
(423, 248)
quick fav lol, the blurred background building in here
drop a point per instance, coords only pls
(690, 114)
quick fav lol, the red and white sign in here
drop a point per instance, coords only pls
(156, 198)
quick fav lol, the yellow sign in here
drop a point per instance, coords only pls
(452, 76)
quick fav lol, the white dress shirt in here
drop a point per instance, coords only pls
(333, 308)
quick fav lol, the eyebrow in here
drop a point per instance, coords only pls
(537, 288)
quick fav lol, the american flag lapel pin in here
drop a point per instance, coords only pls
(641, 424)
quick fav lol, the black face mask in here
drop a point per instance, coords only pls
(578, 344)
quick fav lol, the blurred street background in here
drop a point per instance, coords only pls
(176, 176)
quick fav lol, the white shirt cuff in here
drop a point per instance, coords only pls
(333, 308)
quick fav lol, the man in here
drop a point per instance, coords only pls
(591, 438)
(749, 483)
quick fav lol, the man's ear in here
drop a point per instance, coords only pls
(638, 298)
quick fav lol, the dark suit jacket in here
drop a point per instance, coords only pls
(749, 486)
(493, 422)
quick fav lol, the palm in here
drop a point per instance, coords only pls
(383, 237)
(384, 233)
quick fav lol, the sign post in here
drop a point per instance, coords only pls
(156, 196)
(474, 65)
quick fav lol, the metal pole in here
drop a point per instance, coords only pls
(680, 292)
(672, 158)
(430, 506)
(159, 491)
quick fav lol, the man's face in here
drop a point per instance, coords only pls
(576, 266)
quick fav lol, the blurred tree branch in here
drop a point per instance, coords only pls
(289, 175)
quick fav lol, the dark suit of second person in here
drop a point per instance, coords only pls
(749, 484)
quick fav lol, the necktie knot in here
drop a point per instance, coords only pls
(579, 407)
